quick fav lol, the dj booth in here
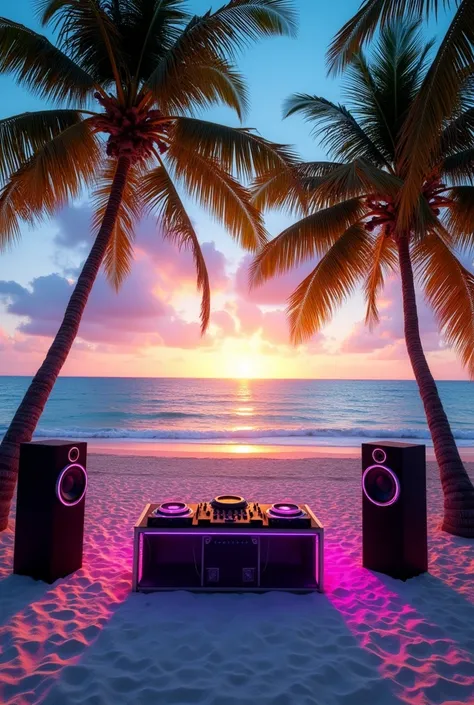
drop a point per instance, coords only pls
(228, 544)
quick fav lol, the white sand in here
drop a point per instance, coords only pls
(368, 640)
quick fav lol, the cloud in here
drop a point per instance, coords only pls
(387, 339)
(224, 322)
(275, 291)
(175, 265)
(142, 313)
(134, 316)
(75, 228)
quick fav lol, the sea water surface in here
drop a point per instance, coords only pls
(320, 412)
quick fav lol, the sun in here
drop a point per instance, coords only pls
(245, 368)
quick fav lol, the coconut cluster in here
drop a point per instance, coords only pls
(382, 214)
(134, 132)
(432, 191)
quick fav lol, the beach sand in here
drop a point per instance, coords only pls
(369, 640)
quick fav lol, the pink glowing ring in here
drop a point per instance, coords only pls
(379, 455)
(73, 454)
(173, 509)
(285, 509)
(60, 488)
(394, 478)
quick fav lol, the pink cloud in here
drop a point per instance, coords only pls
(274, 292)
(224, 322)
(387, 339)
(175, 266)
(140, 314)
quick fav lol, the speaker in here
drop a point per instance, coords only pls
(394, 533)
(49, 529)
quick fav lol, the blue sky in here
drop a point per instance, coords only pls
(274, 69)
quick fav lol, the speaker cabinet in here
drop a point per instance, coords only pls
(49, 529)
(394, 534)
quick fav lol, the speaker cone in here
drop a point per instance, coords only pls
(380, 485)
(72, 484)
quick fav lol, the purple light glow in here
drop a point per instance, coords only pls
(288, 509)
(206, 532)
(173, 509)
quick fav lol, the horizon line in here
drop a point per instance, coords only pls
(246, 379)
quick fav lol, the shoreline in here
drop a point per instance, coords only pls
(199, 449)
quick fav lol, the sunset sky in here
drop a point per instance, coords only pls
(151, 327)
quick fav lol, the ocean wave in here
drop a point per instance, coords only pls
(239, 434)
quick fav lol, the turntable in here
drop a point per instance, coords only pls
(228, 543)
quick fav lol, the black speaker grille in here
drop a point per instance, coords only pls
(72, 484)
(380, 485)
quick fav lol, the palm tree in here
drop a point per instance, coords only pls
(349, 223)
(437, 98)
(127, 77)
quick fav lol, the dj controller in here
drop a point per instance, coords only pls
(230, 511)
(228, 543)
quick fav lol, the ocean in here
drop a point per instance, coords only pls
(293, 412)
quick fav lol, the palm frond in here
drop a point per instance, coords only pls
(310, 237)
(160, 195)
(290, 187)
(234, 25)
(459, 218)
(87, 33)
(382, 92)
(339, 131)
(198, 84)
(210, 40)
(435, 102)
(449, 289)
(361, 28)
(51, 177)
(336, 276)
(41, 67)
(22, 135)
(357, 178)
(459, 167)
(458, 134)
(368, 106)
(235, 149)
(149, 28)
(119, 253)
(384, 260)
(219, 193)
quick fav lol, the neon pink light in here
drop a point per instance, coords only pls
(202, 532)
(380, 460)
(73, 454)
(60, 479)
(394, 478)
(289, 510)
(173, 509)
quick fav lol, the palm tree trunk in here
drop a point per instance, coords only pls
(457, 488)
(28, 413)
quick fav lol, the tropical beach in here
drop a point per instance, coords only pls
(236, 352)
(369, 638)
